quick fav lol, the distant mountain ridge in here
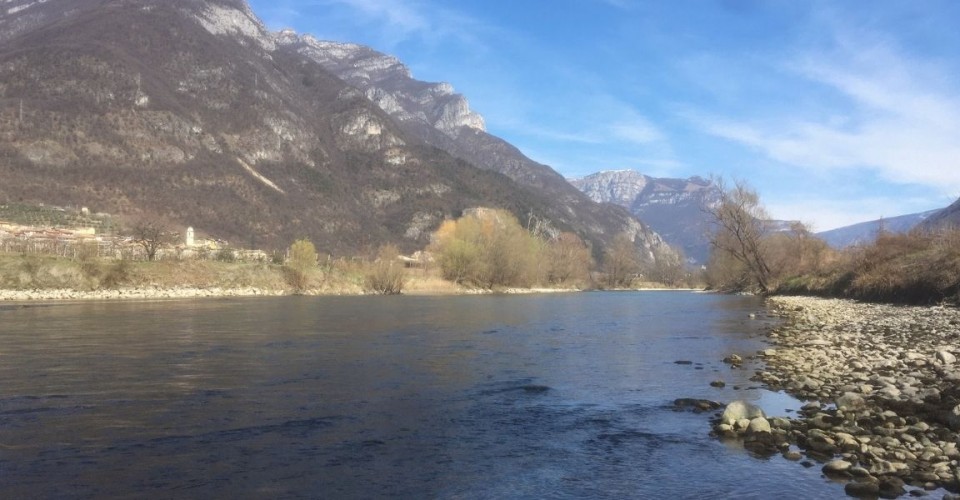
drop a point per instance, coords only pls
(194, 113)
(672, 207)
(866, 232)
(948, 217)
(434, 113)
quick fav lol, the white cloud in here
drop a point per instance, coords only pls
(403, 20)
(830, 213)
(637, 131)
(898, 117)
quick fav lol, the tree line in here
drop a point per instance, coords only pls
(749, 253)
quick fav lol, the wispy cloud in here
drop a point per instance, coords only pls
(897, 116)
(401, 21)
(825, 213)
(638, 131)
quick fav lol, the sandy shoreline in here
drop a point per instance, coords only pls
(883, 384)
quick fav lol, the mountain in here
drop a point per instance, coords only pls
(946, 218)
(193, 113)
(866, 232)
(437, 115)
(671, 207)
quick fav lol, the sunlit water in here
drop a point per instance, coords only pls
(553, 396)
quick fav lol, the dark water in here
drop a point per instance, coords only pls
(556, 396)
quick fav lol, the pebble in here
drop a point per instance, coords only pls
(883, 389)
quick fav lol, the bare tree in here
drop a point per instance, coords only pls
(151, 235)
(740, 225)
(620, 262)
(568, 259)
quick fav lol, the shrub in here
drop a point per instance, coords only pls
(226, 255)
(386, 276)
(120, 273)
(301, 264)
(488, 248)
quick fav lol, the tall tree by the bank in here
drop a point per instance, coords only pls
(740, 223)
(621, 264)
(151, 235)
(301, 263)
(568, 259)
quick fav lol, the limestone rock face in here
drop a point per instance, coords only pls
(388, 83)
(193, 112)
(435, 114)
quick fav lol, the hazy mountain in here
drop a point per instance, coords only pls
(946, 218)
(191, 111)
(672, 207)
(866, 232)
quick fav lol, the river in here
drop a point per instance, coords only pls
(540, 396)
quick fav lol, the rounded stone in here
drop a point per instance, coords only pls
(758, 425)
(739, 410)
(862, 490)
(837, 467)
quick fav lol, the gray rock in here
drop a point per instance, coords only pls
(862, 490)
(739, 410)
(758, 425)
(953, 418)
(851, 402)
(837, 467)
(945, 357)
(733, 359)
(792, 455)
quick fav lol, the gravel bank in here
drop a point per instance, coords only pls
(135, 293)
(884, 389)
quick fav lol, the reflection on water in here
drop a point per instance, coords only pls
(556, 396)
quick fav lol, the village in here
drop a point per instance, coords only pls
(75, 232)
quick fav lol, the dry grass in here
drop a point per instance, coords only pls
(914, 268)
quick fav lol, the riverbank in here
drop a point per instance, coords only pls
(884, 389)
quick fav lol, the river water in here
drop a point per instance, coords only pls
(541, 396)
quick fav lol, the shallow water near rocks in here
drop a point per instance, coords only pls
(547, 396)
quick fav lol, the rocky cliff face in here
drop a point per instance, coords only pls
(188, 112)
(192, 112)
(435, 114)
(672, 207)
(388, 83)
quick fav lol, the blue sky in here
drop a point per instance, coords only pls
(836, 112)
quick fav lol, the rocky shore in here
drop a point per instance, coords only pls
(135, 293)
(883, 389)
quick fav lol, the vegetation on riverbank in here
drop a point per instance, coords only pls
(921, 267)
(484, 251)
(914, 268)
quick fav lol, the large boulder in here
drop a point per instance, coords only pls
(740, 410)
(851, 401)
(758, 425)
(953, 418)
(946, 357)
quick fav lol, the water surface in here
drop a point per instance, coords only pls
(550, 396)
